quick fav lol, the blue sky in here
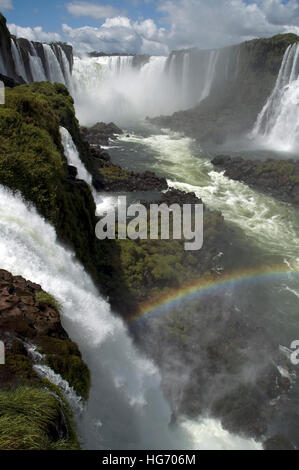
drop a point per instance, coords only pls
(51, 14)
(149, 26)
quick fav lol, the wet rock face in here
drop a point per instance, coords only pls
(279, 178)
(5, 48)
(175, 196)
(235, 101)
(28, 315)
(11, 82)
(20, 310)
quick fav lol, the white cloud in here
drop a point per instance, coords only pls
(33, 34)
(118, 34)
(215, 23)
(6, 5)
(92, 10)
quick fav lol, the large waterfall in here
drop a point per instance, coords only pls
(277, 125)
(123, 89)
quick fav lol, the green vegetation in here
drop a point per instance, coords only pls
(45, 298)
(63, 356)
(31, 419)
(114, 174)
(283, 171)
(39, 417)
(153, 267)
(32, 162)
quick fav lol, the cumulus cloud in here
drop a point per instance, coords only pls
(118, 34)
(202, 23)
(33, 34)
(93, 10)
(216, 23)
(6, 5)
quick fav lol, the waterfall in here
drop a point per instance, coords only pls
(114, 89)
(210, 75)
(18, 60)
(117, 89)
(72, 155)
(39, 62)
(54, 67)
(186, 75)
(277, 125)
(67, 72)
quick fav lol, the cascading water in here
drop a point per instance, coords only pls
(72, 155)
(39, 62)
(126, 409)
(123, 90)
(210, 75)
(277, 125)
(113, 88)
(19, 64)
(55, 71)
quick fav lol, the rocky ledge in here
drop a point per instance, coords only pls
(30, 321)
(279, 178)
(30, 315)
(100, 133)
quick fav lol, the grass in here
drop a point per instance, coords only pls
(31, 419)
(45, 298)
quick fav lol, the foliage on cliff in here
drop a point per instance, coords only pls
(33, 412)
(32, 162)
(35, 419)
(154, 267)
(30, 315)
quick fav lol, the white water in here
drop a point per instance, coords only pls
(126, 408)
(210, 74)
(52, 70)
(269, 223)
(103, 201)
(112, 89)
(55, 72)
(45, 372)
(121, 90)
(277, 125)
(19, 64)
(72, 155)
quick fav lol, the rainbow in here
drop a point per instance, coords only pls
(209, 284)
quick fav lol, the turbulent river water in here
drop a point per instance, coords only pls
(265, 228)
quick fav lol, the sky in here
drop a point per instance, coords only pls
(149, 26)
